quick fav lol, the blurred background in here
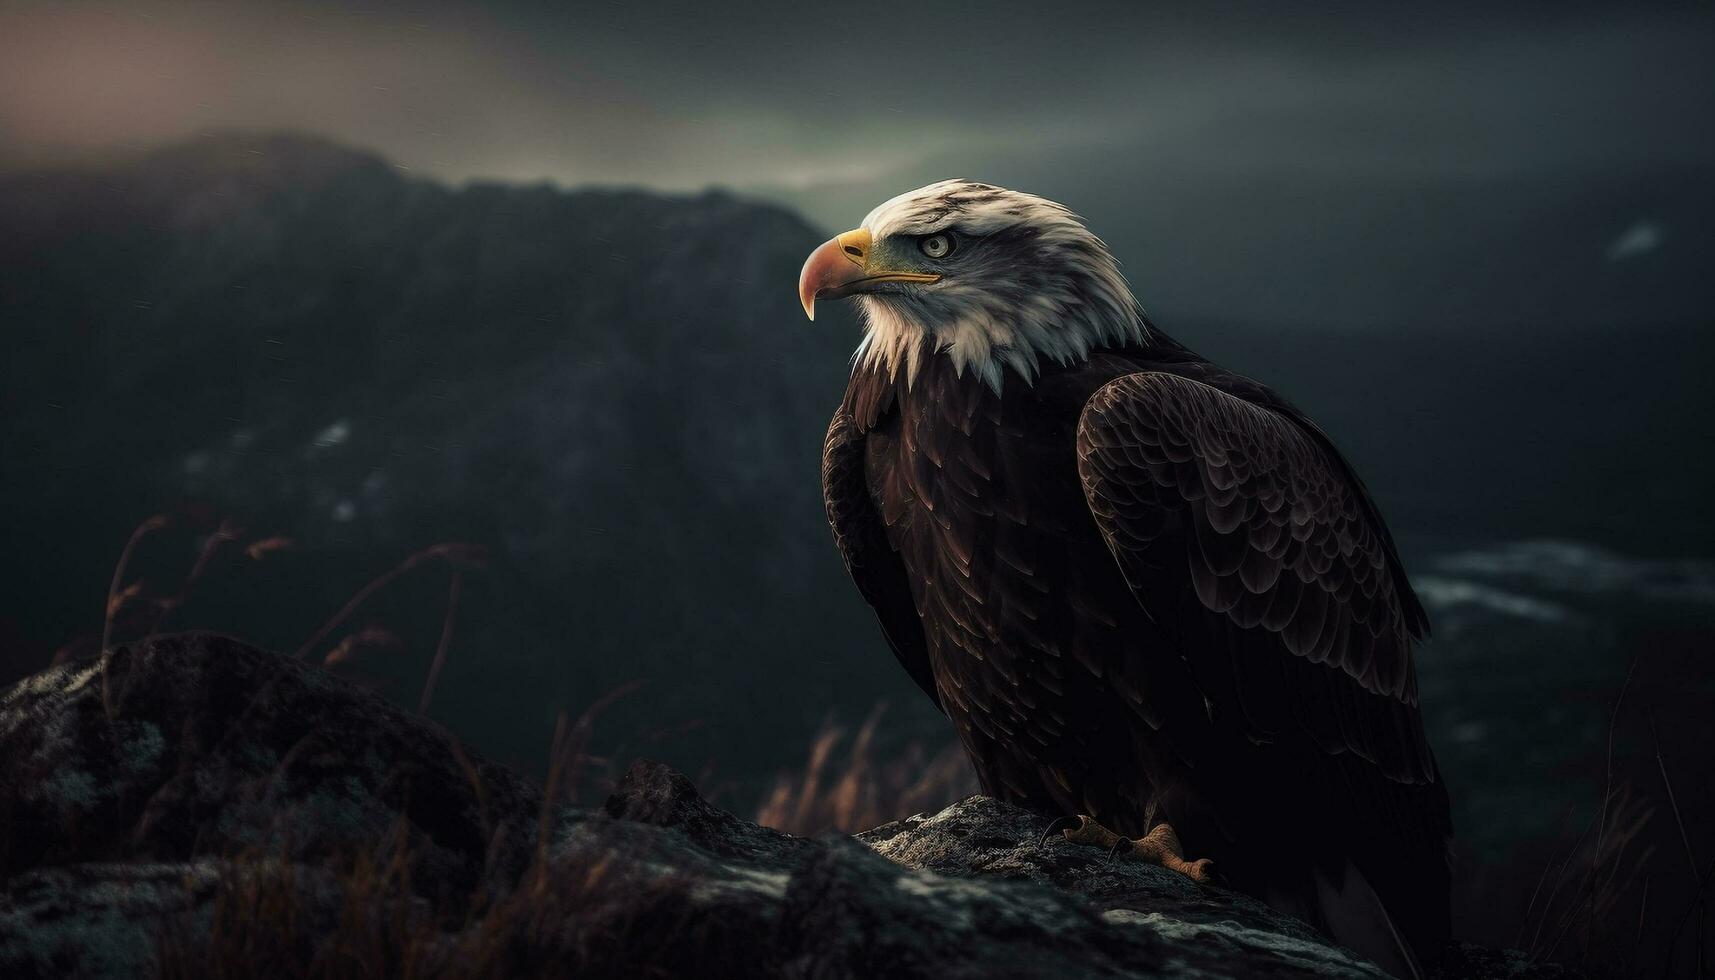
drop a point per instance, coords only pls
(327, 285)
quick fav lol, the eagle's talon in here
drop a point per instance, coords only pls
(1057, 825)
(1158, 847)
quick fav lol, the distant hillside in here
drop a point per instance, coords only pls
(615, 392)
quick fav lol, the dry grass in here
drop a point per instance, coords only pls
(1575, 910)
(1611, 901)
(440, 660)
(453, 554)
(118, 596)
(585, 913)
(135, 611)
(853, 791)
(583, 916)
(580, 914)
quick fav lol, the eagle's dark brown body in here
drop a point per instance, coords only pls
(1162, 599)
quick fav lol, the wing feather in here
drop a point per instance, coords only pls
(862, 539)
(1249, 511)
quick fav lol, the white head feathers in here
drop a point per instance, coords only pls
(1026, 282)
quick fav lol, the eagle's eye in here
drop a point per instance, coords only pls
(937, 246)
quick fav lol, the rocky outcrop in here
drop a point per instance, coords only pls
(192, 806)
(195, 745)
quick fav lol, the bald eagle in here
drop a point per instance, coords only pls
(1150, 594)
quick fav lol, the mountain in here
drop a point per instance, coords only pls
(614, 392)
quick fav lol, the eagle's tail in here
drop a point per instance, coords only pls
(1353, 914)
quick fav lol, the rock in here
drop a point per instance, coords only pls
(1470, 960)
(223, 810)
(956, 905)
(195, 744)
(982, 836)
(95, 919)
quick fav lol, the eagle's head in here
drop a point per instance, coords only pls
(993, 277)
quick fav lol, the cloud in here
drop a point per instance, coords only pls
(1443, 594)
(1581, 568)
(684, 95)
(1639, 238)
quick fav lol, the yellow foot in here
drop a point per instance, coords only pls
(1160, 847)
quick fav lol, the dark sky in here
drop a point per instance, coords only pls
(833, 107)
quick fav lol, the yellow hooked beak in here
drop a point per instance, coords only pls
(840, 267)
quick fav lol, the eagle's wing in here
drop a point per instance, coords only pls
(872, 562)
(1240, 528)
